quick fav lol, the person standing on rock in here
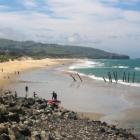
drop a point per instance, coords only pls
(15, 94)
(34, 94)
(54, 95)
(26, 90)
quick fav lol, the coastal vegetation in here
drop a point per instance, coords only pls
(36, 50)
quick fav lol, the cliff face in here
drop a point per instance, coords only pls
(34, 49)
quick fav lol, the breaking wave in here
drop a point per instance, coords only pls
(86, 64)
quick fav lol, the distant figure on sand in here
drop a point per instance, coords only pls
(15, 94)
(34, 94)
(26, 89)
(54, 95)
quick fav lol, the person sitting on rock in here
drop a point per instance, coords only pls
(54, 95)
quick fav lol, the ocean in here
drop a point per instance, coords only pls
(127, 71)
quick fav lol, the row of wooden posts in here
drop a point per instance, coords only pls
(126, 77)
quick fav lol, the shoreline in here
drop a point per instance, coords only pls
(9, 70)
(21, 66)
(64, 63)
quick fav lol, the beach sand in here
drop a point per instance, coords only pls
(113, 103)
(9, 70)
(90, 115)
(92, 99)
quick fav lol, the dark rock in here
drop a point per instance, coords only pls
(3, 118)
(72, 115)
(3, 129)
(42, 106)
(37, 137)
(25, 104)
(30, 101)
(113, 127)
(14, 117)
(16, 109)
(3, 109)
(102, 130)
(11, 104)
(4, 137)
(39, 101)
(25, 131)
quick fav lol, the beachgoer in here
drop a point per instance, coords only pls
(26, 89)
(54, 95)
(15, 94)
(34, 94)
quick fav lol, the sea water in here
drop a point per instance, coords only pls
(97, 69)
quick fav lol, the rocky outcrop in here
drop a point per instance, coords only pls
(35, 119)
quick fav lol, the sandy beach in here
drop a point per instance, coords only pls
(9, 70)
(92, 99)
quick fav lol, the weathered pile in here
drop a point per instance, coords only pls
(33, 119)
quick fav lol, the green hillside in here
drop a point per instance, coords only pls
(40, 50)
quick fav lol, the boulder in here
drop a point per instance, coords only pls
(3, 129)
(25, 131)
(16, 109)
(72, 115)
(4, 137)
(30, 101)
(14, 117)
(3, 110)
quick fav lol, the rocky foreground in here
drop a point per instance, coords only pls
(34, 119)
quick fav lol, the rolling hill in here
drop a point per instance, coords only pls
(41, 50)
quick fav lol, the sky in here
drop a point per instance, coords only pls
(111, 25)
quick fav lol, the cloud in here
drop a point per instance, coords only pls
(78, 39)
(98, 23)
(10, 33)
(29, 3)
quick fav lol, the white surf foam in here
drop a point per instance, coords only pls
(92, 64)
(137, 68)
(129, 84)
(121, 67)
(86, 64)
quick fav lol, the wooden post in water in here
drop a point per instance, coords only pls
(128, 77)
(73, 77)
(109, 77)
(104, 79)
(133, 80)
(115, 76)
(124, 77)
(80, 77)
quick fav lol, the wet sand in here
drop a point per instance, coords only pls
(9, 70)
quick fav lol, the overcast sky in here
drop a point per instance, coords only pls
(112, 25)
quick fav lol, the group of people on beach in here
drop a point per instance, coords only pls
(54, 94)
(8, 77)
